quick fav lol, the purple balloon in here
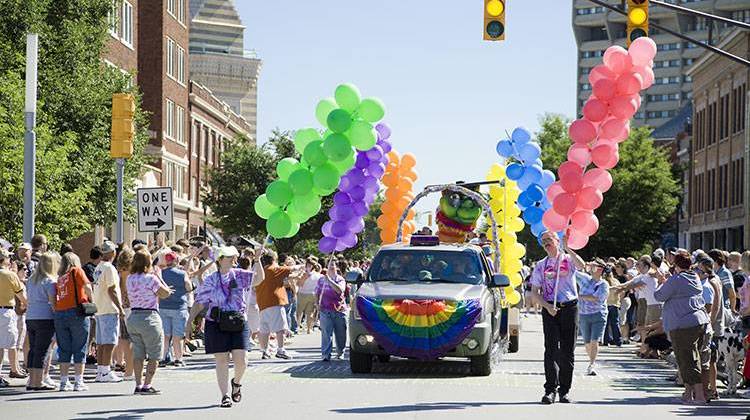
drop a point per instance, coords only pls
(340, 247)
(383, 130)
(360, 226)
(386, 146)
(357, 193)
(341, 198)
(327, 226)
(377, 170)
(340, 229)
(327, 245)
(360, 209)
(371, 185)
(356, 177)
(349, 241)
(375, 154)
(362, 161)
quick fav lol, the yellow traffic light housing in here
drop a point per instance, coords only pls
(637, 20)
(494, 20)
(123, 128)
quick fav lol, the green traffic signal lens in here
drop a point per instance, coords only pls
(637, 33)
(495, 29)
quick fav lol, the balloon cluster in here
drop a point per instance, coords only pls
(399, 181)
(295, 197)
(357, 190)
(503, 203)
(532, 179)
(606, 122)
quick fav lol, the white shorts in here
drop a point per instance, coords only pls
(273, 320)
(21, 323)
(253, 318)
(8, 328)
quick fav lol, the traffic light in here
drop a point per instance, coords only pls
(494, 20)
(637, 19)
(123, 129)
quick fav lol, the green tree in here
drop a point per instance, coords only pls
(643, 196)
(75, 176)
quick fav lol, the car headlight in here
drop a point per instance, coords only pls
(364, 340)
(470, 343)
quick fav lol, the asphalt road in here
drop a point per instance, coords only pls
(306, 388)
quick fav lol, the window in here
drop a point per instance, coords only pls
(700, 129)
(171, 6)
(661, 114)
(174, 175)
(193, 188)
(169, 131)
(686, 79)
(586, 86)
(723, 186)
(180, 121)
(711, 190)
(194, 133)
(176, 8)
(738, 108)
(592, 54)
(668, 46)
(724, 117)
(170, 58)
(180, 64)
(688, 61)
(127, 24)
(112, 19)
(210, 147)
(741, 15)
(711, 126)
(738, 182)
(664, 97)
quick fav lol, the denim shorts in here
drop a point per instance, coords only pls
(174, 322)
(592, 327)
(107, 329)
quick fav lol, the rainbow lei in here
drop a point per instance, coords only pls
(420, 329)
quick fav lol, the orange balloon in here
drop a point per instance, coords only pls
(392, 195)
(408, 161)
(411, 215)
(389, 207)
(410, 174)
(393, 158)
(390, 180)
(405, 184)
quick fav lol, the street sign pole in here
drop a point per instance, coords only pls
(29, 146)
(120, 235)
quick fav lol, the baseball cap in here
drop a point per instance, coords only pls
(170, 257)
(24, 245)
(227, 251)
(659, 253)
(108, 247)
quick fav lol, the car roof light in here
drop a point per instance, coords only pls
(423, 240)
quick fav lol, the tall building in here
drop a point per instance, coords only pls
(596, 28)
(219, 60)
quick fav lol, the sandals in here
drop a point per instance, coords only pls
(236, 392)
(226, 402)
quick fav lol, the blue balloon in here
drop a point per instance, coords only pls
(530, 152)
(524, 183)
(521, 135)
(538, 229)
(533, 215)
(532, 175)
(535, 192)
(505, 148)
(515, 171)
(548, 178)
(524, 200)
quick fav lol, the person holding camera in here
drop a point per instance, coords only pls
(224, 293)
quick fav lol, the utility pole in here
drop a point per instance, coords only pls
(29, 145)
(121, 148)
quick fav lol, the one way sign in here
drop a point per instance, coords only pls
(155, 210)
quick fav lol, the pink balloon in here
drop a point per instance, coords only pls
(598, 178)
(565, 204)
(568, 167)
(585, 222)
(623, 107)
(605, 89)
(580, 154)
(554, 221)
(576, 239)
(602, 154)
(572, 182)
(611, 162)
(647, 75)
(595, 110)
(600, 72)
(629, 83)
(614, 129)
(589, 198)
(582, 131)
(554, 190)
(617, 59)
(642, 51)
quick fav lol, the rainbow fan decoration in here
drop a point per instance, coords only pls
(420, 329)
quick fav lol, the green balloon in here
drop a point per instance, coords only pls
(326, 177)
(295, 213)
(344, 165)
(339, 120)
(304, 137)
(323, 192)
(323, 109)
(279, 225)
(263, 208)
(279, 193)
(285, 167)
(337, 147)
(294, 231)
(371, 110)
(314, 154)
(362, 135)
(348, 97)
(301, 182)
(308, 205)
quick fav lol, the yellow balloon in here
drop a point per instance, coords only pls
(512, 211)
(512, 297)
(515, 279)
(513, 267)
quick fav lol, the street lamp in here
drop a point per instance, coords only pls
(29, 146)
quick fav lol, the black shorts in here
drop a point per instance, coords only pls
(223, 342)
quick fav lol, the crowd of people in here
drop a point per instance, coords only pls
(668, 303)
(131, 310)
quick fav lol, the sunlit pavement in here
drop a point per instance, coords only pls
(311, 389)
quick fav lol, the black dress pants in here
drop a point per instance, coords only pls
(560, 334)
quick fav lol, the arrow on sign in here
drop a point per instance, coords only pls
(158, 223)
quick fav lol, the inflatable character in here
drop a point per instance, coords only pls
(457, 216)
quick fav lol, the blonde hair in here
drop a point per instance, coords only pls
(69, 261)
(49, 263)
(125, 259)
(141, 263)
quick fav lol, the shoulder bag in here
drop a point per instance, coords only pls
(83, 309)
(230, 321)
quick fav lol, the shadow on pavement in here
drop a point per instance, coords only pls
(721, 408)
(55, 396)
(139, 413)
(395, 369)
(426, 407)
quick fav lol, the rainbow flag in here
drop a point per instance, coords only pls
(420, 329)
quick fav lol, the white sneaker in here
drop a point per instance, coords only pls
(49, 382)
(591, 370)
(111, 377)
(80, 387)
(65, 386)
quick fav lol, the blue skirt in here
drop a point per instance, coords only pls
(224, 342)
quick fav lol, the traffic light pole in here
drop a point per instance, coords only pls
(120, 234)
(685, 37)
(29, 146)
(685, 10)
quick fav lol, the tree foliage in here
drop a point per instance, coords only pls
(75, 175)
(642, 198)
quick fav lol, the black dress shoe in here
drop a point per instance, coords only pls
(564, 399)
(549, 398)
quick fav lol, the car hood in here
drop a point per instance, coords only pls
(414, 290)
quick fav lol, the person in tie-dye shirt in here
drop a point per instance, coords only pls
(226, 290)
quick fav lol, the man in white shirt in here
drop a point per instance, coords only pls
(107, 297)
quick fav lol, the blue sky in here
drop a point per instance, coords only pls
(450, 96)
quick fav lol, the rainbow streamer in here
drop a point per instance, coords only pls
(419, 329)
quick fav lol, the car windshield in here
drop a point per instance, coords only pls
(411, 265)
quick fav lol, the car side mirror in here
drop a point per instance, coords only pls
(500, 281)
(354, 277)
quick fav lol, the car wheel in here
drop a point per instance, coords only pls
(360, 362)
(384, 358)
(513, 346)
(481, 365)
